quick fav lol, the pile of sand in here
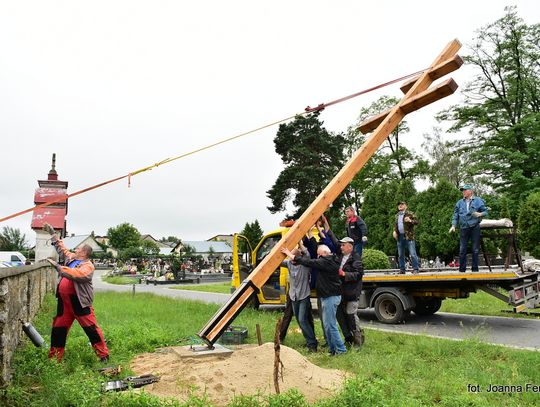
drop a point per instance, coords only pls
(247, 371)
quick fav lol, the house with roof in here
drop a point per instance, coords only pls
(222, 238)
(74, 241)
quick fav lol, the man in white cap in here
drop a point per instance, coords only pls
(468, 213)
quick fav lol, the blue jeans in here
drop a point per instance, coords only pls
(410, 245)
(358, 246)
(467, 234)
(333, 337)
(302, 310)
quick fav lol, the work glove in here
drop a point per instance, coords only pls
(49, 229)
(477, 214)
(364, 239)
(452, 229)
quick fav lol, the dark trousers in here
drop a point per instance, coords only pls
(288, 314)
(69, 309)
(473, 234)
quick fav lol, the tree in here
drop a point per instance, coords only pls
(123, 236)
(502, 106)
(149, 247)
(253, 232)
(434, 208)
(312, 156)
(392, 161)
(529, 227)
(12, 239)
(445, 160)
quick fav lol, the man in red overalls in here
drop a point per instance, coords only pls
(75, 294)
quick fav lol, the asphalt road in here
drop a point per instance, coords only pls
(513, 332)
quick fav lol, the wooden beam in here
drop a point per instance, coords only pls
(425, 98)
(439, 71)
(215, 327)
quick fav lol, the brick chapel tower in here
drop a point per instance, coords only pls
(54, 214)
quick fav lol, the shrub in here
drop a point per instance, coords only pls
(375, 260)
(529, 227)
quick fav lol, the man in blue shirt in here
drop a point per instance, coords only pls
(468, 213)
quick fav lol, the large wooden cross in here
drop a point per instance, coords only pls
(417, 94)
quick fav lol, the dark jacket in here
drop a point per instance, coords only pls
(351, 283)
(328, 282)
(356, 229)
(408, 226)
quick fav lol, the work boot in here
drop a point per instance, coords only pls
(104, 359)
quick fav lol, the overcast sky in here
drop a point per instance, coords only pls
(114, 86)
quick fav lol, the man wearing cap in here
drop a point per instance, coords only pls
(468, 213)
(404, 235)
(351, 272)
(356, 229)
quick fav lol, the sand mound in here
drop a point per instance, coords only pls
(247, 371)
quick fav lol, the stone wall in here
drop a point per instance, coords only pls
(22, 290)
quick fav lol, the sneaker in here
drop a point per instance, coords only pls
(312, 349)
(401, 271)
(415, 271)
(104, 359)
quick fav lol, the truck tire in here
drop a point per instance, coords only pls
(427, 306)
(389, 309)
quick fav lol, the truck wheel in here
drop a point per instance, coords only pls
(389, 309)
(427, 306)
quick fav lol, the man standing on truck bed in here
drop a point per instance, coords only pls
(404, 235)
(356, 229)
(75, 295)
(468, 213)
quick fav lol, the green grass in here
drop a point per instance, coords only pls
(222, 288)
(390, 370)
(120, 280)
(481, 303)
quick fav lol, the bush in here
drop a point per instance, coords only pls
(375, 260)
(529, 227)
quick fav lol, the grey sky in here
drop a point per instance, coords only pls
(113, 86)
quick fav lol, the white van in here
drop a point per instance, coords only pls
(12, 258)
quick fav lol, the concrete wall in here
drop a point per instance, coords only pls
(22, 290)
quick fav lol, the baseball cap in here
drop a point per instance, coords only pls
(465, 186)
(346, 240)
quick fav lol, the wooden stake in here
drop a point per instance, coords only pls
(278, 365)
(259, 336)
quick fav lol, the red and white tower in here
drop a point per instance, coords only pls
(50, 189)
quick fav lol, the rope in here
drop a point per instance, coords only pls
(307, 110)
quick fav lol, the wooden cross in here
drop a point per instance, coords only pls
(417, 94)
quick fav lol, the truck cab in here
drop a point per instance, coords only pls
(245, 259)
(14, 259)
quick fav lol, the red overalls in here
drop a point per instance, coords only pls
(69, 308)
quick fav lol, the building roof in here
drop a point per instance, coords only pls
(165, 251)
(204, 246)
(72, 242)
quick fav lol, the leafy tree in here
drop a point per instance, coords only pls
(502, 106)
(445, 161)
(149, 247)
(434, 208)
(131, 252)
(123, 236)
(379, 209)
(12, 239)
(312, 156)
(529, 226)
(392, 161)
